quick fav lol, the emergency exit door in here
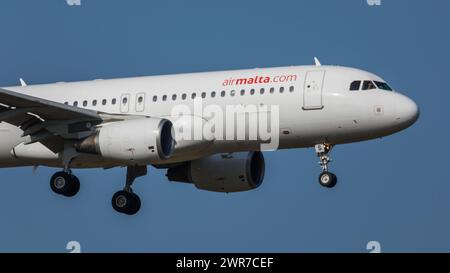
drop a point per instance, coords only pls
(125, 103)
(312, 92)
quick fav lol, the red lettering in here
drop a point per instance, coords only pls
(260, 79)
(241, 81)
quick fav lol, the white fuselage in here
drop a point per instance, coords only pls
(315, 105)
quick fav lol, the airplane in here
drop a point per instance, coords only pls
(130, 123)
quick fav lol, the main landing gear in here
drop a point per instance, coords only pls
(326, 178)
(126, 201)
(65, 183)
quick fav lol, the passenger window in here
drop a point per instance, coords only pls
(203, 95)
(183, 97)
(281, 89)
(291, 89)
(252, 91)
(140, 99)
(155, 98)
(113, 101)
(174, 97)
(213, 94)
(261, 91)
(75, 103)
(232, 93)
(368, 85)
(85, 103)
(272, 90)
(242, 92)
(104, 102)
(164, 98)
(124, 100)
(222, 94)
(193, 95)
(94, 102)
(354, 86)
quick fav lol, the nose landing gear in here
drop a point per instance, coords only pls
(326, 178)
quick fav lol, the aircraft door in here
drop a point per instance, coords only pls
(125, 103)
(140, 102)
(312, 92)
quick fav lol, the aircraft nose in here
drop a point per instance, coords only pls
(407, 111)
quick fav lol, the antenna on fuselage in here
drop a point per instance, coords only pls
(22, 82)
(317, 61)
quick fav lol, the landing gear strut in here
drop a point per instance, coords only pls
(126, 201)
(65, 183)
(326, 178)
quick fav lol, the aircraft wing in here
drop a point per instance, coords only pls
(46, 121)
(46, 109)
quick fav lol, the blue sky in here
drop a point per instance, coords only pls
(393, 190)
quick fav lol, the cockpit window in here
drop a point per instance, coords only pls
(383, 86)
(354, 86)
(368, 85)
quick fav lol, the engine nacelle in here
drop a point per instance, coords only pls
(222, 172)
(136, 141)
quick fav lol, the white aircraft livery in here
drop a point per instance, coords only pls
(207, 129)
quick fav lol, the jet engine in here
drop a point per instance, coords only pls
(234, 172)
(137, 141)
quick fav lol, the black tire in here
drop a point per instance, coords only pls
(126, 202)
(135, 205)
(334, 180)
(60, 183)
(327, 179)
(65, 184)
(74, 187)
